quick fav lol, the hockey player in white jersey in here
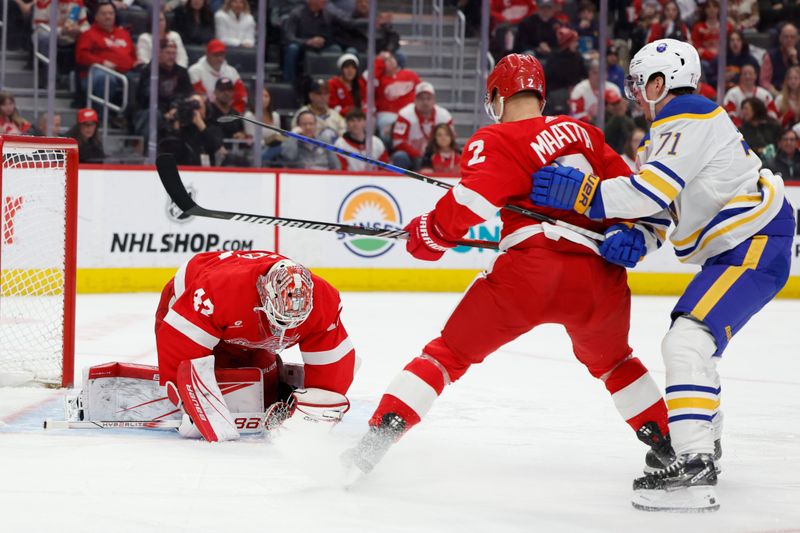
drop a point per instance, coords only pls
(731, 217)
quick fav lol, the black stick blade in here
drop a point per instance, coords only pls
(171, 180)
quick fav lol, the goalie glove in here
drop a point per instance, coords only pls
(306, 408)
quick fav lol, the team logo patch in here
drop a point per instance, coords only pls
(661, 47)
(369, 206)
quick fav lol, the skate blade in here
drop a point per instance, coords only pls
(688, 500)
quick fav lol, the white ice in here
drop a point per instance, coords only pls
(527, 441)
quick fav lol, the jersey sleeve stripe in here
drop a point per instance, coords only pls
(474, 202)
(668, 171)
(413, 391)
(192, 331)
(327, 357)
(644, 190)
(657, 221)
(658, 183)
(180, 280)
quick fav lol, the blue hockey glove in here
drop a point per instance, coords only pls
(564, 187)
(623, 245)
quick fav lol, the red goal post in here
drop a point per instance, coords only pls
(38, 236)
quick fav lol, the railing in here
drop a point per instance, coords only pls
(37, 57)
(478, 106)
(459, 36)
(105, 101)
(437, 32)
(3, 46)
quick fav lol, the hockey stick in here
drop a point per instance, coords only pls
(116, 424)
(410, 173)
(171, 179)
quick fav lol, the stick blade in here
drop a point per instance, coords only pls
(171, 180)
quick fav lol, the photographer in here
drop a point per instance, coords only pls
(173, 85)
(186, 134)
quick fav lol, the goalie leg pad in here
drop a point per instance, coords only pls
(203, 402)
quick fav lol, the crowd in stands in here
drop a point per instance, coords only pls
(198, 84)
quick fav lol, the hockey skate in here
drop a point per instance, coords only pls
(687, 485)
(374, 445)
(660, 455)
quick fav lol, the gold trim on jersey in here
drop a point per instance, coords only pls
(688, 116)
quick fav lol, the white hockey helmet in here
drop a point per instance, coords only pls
(286, 292)
(677, 61)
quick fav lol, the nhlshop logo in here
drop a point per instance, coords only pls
(369, 206)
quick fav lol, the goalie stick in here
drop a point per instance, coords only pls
(411, 174)
(112, 424)
(171, 179)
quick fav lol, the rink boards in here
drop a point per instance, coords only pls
(131, 238)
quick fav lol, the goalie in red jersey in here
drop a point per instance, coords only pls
(241, 309)
(544, 273)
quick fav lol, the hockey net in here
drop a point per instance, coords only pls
(38, 201)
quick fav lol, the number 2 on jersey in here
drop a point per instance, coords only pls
(476, 147)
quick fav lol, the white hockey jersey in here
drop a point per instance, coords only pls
(695, 168)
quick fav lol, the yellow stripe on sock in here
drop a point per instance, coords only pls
(693, 403)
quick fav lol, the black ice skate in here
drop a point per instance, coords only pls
(687, 485)
(374, 445)
(660, 454)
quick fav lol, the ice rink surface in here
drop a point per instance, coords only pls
(527, 441)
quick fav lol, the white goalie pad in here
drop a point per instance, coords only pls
(131, 392)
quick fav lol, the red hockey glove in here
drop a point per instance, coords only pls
(424, 240)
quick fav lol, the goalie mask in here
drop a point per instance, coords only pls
(286, 292)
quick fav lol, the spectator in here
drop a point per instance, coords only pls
(414, 126)
(90, 147)
(587, 27)
(670, 26)
(619, 126)
(330, 124)
(353, 37)
(20, 13)
(566, 67)
(442, 156)
(270, 140)
(235, 25)
(537, 33)
(778, 60)
(583, 98)
(348, 90)
(760, 132)
(11, 123)
(309, 28)
(299, 154)
(395, 90)
(40, 128)
(616, 74)
(738, 56)
(787, 159)
(746, 88)
(787, 103)
(688, 10)
(212, 67)
(173, 86)
(743, 14)
(72, 22)
(227, 134)
(144, 45)
(510, 12)
(355, 140)
(106, 44)
(705, 37)
(195, 22)
(632, 147)
(648, 16)
(136, 5)
(187, 136)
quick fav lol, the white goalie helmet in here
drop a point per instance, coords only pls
(286, 292)
(677, 61)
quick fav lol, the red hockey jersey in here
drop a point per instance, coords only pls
(496, 168)
(215, 297)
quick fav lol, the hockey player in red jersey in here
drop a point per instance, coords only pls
(545, 273)
(237, 309)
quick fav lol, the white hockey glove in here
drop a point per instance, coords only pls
(306, 408)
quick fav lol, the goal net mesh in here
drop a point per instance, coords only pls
(32, 261)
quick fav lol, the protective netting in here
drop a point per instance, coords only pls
(32, 259)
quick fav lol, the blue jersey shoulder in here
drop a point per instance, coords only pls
(692, 104)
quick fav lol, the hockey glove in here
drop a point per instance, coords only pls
(424, 240)
(623, 245)
(564, 187)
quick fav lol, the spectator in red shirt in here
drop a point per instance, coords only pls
(348, 90)
(442, 156)
(10, 120)
(671, 26)
(414, 127)
(705, 37)
(395, 90)
(107, 44)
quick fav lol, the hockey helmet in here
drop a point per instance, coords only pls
(677, 61)
(513, 74)
(286, 292)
